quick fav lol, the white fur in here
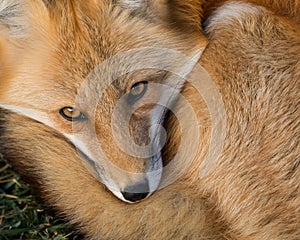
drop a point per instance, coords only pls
(133, 4)
(30, 113)
(190, 64)
(230, 11)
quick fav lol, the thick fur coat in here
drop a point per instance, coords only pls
(252, 55)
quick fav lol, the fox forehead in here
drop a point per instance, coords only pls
(96, 33)
(68, 40)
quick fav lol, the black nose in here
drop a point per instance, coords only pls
(136, 192)
(134, 197)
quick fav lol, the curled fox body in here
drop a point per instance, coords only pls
(100, 67)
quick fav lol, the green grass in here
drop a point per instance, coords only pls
(21, 217)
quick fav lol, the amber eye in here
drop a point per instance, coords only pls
(137, 91)
(72, 114)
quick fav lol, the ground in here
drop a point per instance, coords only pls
(21, 216)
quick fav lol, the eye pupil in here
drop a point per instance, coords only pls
(72, 114)
(137, 91)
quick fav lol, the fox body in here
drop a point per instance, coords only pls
(65, 65)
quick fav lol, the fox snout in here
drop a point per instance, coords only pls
(133, 151)
(137, 192)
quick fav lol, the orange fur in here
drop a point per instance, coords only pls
(253, 58)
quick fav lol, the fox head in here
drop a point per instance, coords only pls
(103, 74)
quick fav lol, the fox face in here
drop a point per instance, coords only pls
(103, 79)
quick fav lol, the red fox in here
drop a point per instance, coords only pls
(87, 85)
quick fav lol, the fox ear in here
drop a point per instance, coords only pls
(183, 14)
(18, 29)
(12, 30)
(12, 20)
(15, 16)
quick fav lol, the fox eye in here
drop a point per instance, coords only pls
(72, 114)
(137, 91)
